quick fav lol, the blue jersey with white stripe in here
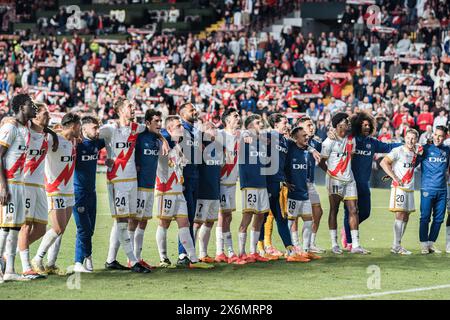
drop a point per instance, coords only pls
(252, 163)
(365, 149)
(434, 161)
(278, 147)
(86, 164)
(296, 170)
(316, 143)
(209, 171)
(147, 149)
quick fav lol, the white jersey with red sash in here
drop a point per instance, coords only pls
(59, 168)
(34, 171)
(169, 175)
(16, 138)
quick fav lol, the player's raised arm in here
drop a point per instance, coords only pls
(54, 136)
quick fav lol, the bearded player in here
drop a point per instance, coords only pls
(120, 139)
(14, 142)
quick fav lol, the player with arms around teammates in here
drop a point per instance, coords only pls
(85, 208)
(35, 198)
(433, 190)
(148, 147)
(120, 139)
(299, 205)
(228, 179)
(14, 141)
(170, 199)
(399, 165)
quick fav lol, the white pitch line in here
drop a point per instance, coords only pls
(385, 293)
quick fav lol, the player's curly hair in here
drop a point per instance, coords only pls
(357, 120)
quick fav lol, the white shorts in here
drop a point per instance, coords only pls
(227, 197)
(298, 208)
(346, 190)
(313, 194)
(402, 200)
(207, 210)
(144, 204)
(13, 213)
(255, 200)
(60, 201)
(171, 206)
(35, 203)
(123, 199)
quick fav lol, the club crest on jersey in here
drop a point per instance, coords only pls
(368, 146)
(425, 194)
(80, 209)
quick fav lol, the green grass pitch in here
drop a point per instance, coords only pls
(333, 276)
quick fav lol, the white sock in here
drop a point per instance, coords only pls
(47, 240)
(131, 235)
(242, 241)
(203, 240)
(161, 242)
(333, 236)
(228, 240)
(254, 237)
(355, 238)
(307, 231)
(294, 234)
(10, 250)
(430, 243)
(53, 251)
(448, 234)
(125, 242)
(138, 243)
(398, 231)
(188, 244)
(424, 244)
(3, 237)
(313, 239)
(219, 241)
(25, 258)
(114, 243)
